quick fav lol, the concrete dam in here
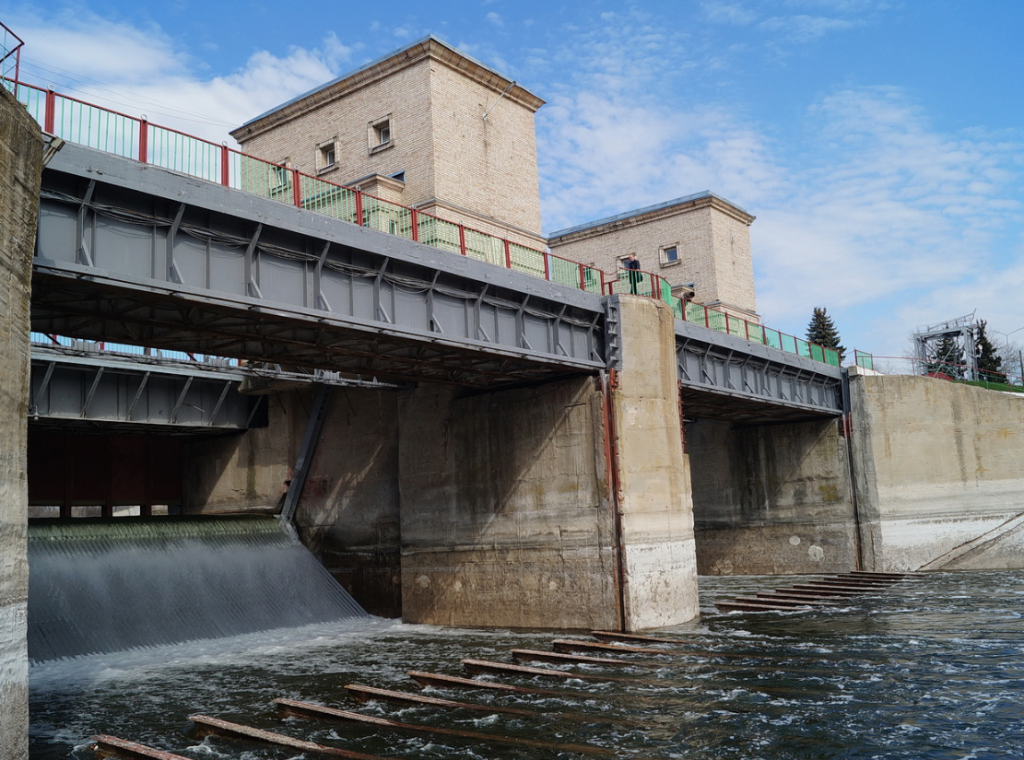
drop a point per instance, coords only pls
(515, 453)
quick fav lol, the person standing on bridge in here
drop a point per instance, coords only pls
(632, 263)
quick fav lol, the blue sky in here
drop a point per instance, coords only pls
(879, 143)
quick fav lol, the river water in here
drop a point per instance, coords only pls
(931, 668)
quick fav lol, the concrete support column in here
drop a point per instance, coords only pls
(655, 511)
(505, 518)
(21, 151)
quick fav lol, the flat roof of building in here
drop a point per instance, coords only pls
(646, 210)
(378, 62)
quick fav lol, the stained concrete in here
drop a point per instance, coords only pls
(348, 512)
(505, 518)
(21, 156)
(940, 474)
(771, 499)
(659, 565)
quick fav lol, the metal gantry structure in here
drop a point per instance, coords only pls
(948, 348)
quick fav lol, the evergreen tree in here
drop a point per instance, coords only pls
(822, 330)
(990, 362)
(947, 359)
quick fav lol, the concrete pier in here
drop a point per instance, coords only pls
(21, 152)
(772, 499)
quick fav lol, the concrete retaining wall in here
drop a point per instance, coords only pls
(21, 151)
(940, 474)
(771, 499)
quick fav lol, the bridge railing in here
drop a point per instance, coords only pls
(10, 56)
(50, 340)
(139, 139)
(639, 282)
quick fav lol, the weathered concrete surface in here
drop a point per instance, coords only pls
(940, 474)
(771, 499)
(21, 152)
(348, 513)
(505, 518)
(655, 511)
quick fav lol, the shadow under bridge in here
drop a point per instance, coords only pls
(135, 254)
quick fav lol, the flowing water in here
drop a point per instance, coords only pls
(931, 668)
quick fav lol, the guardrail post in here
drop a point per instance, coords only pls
(143, 140)
(462, 240)
(225, 165)
(414, 217)
(50, 111)
(508, 255)
(547, 265)
(296, 189)
(583, 280)
(359, 207)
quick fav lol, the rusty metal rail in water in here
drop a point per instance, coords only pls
(142, 140)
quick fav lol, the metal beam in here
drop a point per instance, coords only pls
(725, 377)
(268, 282)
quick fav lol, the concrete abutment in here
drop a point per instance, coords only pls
(21, 161)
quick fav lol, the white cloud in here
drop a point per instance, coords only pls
(141, 71)
(728, 13)
(891, 216)
(495, 18)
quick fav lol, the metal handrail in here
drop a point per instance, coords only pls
(137, 138)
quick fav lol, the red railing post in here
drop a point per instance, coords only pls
(359, 207)
(49, 117)
(462, 240)
(707, 317)
(508, 255)
(414, 217)
(143, 140)
(225, 165)
(547, 265)
(296, 189)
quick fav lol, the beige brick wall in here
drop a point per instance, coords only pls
(404, 95)
(489, 167)
(713, 251)
(457, 165)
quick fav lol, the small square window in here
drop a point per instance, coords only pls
(326, 155)
(669, 255)
(381, 134)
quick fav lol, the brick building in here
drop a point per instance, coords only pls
(430, 128)
(700, 244)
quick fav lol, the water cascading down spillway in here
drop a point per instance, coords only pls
(113, 585)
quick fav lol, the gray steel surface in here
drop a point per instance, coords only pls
(102, 392)
(140, 255)
(726, 377)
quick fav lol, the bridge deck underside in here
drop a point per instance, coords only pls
(160, 260)
(723, 377)
(91, 393)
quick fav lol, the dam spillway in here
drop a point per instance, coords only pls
(98, 586)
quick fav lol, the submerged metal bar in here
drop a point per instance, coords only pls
(442, 680)
(111, 746)
(532, 655)
(205, 725)
(306, 710)
(370, 693)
